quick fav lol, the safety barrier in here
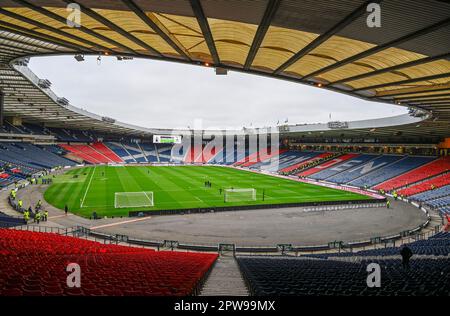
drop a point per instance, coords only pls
(344, 204)
(334, 246)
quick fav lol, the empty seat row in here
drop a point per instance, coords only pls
(280, 276)
(428, 170)
(430, 184)
(34, 263)
(390, 171)
(431, 194)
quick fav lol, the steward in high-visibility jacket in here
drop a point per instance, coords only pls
(37, 217)
(20, 203)
(45, 216)
(26, 216)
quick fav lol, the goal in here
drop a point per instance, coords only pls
(133, 199)
(240, 195)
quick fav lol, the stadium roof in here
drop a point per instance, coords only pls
(316, 42)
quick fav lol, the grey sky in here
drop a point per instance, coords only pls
(163, 94)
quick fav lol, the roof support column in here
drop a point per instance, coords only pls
(2, 107)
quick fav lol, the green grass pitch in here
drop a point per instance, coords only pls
(177, 187)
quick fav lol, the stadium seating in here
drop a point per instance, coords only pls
(240, 155)
(343, 166)
(435, 182)
(440, 204)
(271, 162)
(12, 129)
(34, 263)
(55, 149)
(150, 152)
(432, 194)
(437, 245)
(105, 151)
(293, 157)
(29, 158)
(44, 157)
(438, 199)
(431, 169)
(9, 221)
(136, 151)
(261, 156)
(120, 151)
(391, 171)
(302, 159)
(311, 162)
(298, 276)
(208, 153)
(363, 169)
(62, 134)
(35, 129)
(226, 156)
(326, 164)
(192, 153)
(83, 152)
(4, 179)
(247, 156)
(7, 177)
(102, 153)
(164, 152)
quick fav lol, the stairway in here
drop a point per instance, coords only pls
(225, 279)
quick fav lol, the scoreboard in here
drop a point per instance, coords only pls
(166, 139)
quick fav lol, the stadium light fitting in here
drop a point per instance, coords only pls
(79, 57)
(221, 71)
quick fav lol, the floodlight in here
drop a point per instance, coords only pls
(79, 57)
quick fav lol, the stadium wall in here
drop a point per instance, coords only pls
(253, 207)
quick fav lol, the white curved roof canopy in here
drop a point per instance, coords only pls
(309, 42)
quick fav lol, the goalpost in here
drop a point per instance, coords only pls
(239, 195)
(133, 199)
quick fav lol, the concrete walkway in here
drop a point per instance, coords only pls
(225, 279)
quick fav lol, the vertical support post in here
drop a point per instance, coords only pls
(2, 107)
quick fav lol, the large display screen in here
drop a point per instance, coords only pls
(166, 139)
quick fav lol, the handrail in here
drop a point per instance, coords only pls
(80, 231)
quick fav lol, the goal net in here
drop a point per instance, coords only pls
(133, 199)
(240, 195)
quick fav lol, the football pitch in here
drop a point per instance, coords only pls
(90, 189)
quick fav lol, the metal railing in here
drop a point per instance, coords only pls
(332, 247)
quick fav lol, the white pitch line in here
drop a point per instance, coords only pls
(198, 198)
(87, 189)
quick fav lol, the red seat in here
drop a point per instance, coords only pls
(431, 169)
(35, 265)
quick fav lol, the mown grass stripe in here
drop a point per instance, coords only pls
(177, 188)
